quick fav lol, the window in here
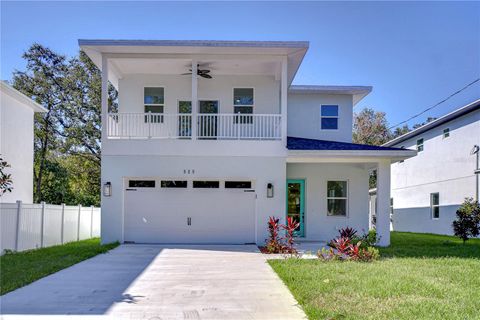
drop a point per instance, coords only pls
(435, 205)
(173, 184)
(329, 117)
(206, 184)
(243, 104)
(238, 184)
(446, 133)
(337, 198)
(153, 100)
(141, 184)
(420, 145)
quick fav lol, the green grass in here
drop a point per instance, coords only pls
(420, 276)
(21, 268)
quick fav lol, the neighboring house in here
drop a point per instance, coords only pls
(16, 141)
(428, 189)
(211, 139)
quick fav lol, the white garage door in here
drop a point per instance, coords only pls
(163, 214)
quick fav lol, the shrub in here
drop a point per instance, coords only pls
(467, 224)
(349, 246)
(290, 228)
(277, 244)
(273, 244)
(347, 232)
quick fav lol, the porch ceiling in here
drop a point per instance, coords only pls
(225, 57)
(180, 66)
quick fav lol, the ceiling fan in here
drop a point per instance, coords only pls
(201, 72)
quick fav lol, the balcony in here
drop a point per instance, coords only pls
(180, 126)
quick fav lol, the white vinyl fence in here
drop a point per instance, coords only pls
(30, 226)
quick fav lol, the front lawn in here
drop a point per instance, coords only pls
(420, 276)
(21, 268)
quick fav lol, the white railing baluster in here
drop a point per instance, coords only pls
(174, 126)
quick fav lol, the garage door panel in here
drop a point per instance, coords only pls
(217, 216)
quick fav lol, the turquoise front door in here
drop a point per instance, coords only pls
(296, 204)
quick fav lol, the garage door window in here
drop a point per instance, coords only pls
(206, 184)
(238, 184)
(141, 184)
(173, 184)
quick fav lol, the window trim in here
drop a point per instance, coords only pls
(347, 207)
(446, 133)
(199, 180)
(333, 117)
(434, 205)
(237, 188)
(161, 120)
(142, 179)
(168, 180)
(418, 145)
(239, 121)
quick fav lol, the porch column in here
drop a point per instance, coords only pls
(283, 99)
(383, 203)
(194, 99)
(104, 116)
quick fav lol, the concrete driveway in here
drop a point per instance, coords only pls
(161, 282)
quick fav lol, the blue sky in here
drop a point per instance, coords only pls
(414, 54)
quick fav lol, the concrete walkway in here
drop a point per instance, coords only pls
(161, 282)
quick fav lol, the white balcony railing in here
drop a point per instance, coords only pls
(179, 126)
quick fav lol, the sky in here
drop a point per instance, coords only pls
(414, 54)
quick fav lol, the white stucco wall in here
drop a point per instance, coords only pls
(16, 147)
(178, 87)
(445, 166)
(262, 170)
(304, 116)
(319, 226)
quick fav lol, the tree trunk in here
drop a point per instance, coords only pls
(43, 155)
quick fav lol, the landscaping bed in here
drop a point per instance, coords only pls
(420, 276)
(21, 268)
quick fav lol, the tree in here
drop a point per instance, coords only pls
(6, 183)
(400, 131)
(370, 127)
(43, 82)
(467, 224)
(68, 135)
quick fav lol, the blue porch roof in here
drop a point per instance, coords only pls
(294, 143)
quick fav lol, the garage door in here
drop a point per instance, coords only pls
(166, 211)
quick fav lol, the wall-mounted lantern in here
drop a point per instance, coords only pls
(269, 190)
(107, 189)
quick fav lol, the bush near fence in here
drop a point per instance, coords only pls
(30, 226)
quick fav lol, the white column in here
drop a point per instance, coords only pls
(383, 203)
(283, 99)
(194, 98)
(104, 97)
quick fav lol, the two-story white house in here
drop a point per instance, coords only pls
(16, 141)
(428, 189)
(211, 138)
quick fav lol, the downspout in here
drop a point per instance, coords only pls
(476, 152)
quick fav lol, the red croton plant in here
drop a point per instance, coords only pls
(349, 246)
(275, 242)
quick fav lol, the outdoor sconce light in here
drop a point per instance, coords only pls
(269, 190)
(107, 189)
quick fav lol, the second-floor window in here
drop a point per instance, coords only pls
(243, 103)
(154, 102)
(329, 117)
(420, 145)
(446, 133)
